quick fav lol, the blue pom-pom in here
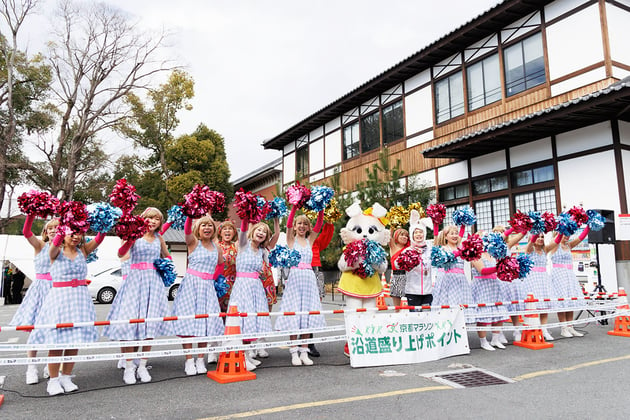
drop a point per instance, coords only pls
(595, 220)
(92, 256)
(278, 208)
(320, 197)
(566, 225)
(221, 286)
(166, 269)
(525, 264)
(494, 245)
(442, 258)
(176, 217)
(284, 257)
(103, 216)
(374, 253)
(538, 223)
(465, 216)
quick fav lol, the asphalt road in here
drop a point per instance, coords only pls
(579, 378)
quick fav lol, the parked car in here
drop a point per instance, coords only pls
(104, 285)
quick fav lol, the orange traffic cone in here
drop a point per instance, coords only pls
(622, 322)
(231, 365)
(380, 300)
(532, 338)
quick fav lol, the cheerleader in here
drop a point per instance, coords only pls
(398, 242)
(32, 303)
(301, 293)
(248, 294)
(451, 286)
(538, 281)
(563, 278)
(227, 243)
(197, 294)
(319, 245)
(141, 295)
(67, 301)
(269, 284)
(418, 286)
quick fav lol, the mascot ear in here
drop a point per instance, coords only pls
(414, 217)
(354, 210)
(378, 211)
(427, 222)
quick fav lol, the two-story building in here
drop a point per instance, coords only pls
(526, 106)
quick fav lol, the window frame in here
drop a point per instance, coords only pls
(525, 79)
(451, 116)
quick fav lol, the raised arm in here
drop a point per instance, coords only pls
(514, 239)
(92, 245)
(27, 231)
(242, 234)
(191, 241)
(276, 233)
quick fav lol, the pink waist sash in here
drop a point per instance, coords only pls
(43, 276)
(539, 269)
(304, 266)
(567, 266)
(251, 275)
(143, 266)
(71, 283)
(205, 276)
(455, 270)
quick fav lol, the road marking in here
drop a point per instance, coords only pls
(570, 368)
(329, 402)
(11, 340)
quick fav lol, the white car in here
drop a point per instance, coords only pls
(104, 285)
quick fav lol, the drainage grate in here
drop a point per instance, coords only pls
(468, 378)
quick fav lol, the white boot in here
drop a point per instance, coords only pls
(574, 333)
(547, 335)
(295, 358)
(31, 375)
(248, 365)
(517, 335)
(66, 383)
(143, 372)
(190, 368)
(502, 338)
(564, 331)
(46, 375)
(213, 358)
(304, 356)
(200, 364)
(54, 387)
(250, 356)
(496, 342)
(485, 345)
(129, 375)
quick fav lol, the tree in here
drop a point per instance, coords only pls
(152, 126)
(98, 57)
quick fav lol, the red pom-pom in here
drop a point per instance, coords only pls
(130, 227)
(579, 215)
(409, 259)
(355, 252)
(521, 222)
(471, 248)
(246, 204)
(74, 214)
(124, 196)
(550, 221)
(217, 202)
(38, 203)
(437, 212)
(298, 194)
(508, 269)
(197, 202)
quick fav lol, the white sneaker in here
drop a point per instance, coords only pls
(486, 346)
(249, 365)
(575, 333)
(200, 364)
(295, 359)
(305, 359)
(46, 375)
(502, 338)
(564, 331)
(121, 364)
(66, 383)
(213, 358)
(517, 335)
(262, 353)
(143, 374)
(31, 375)
(129, 376)
(189, 368)
(547, 335)
(54, 387)
(497, 343)
(249, 355)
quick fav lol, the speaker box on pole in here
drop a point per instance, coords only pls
(607, 234)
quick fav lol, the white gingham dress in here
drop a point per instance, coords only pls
(66, 304)
(125, 267)
(513, 290)
(36, 293)
(301, 294)
(488, 290)
(539, 282)
(248, 293)
(565, 284)
(197, 295)
(142, 295)
(452, 288)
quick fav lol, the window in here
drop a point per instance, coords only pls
(484, 82)
(454, 192)
(449, 97)
(370, 133)
(393, 128)
(351, 141)
(532, 176)
(492, 212)
(544, 200)
(495, 183)
(524, 65)
(301, 162)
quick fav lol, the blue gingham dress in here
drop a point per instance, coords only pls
(36, 293)
(513, 290)
(487, 290)
(125, 267)
(66, 304)
(301, 294)
(142, 295)
(248, 293)
(198, 296)
(563, 280)
(539, 282)
(453, 289)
